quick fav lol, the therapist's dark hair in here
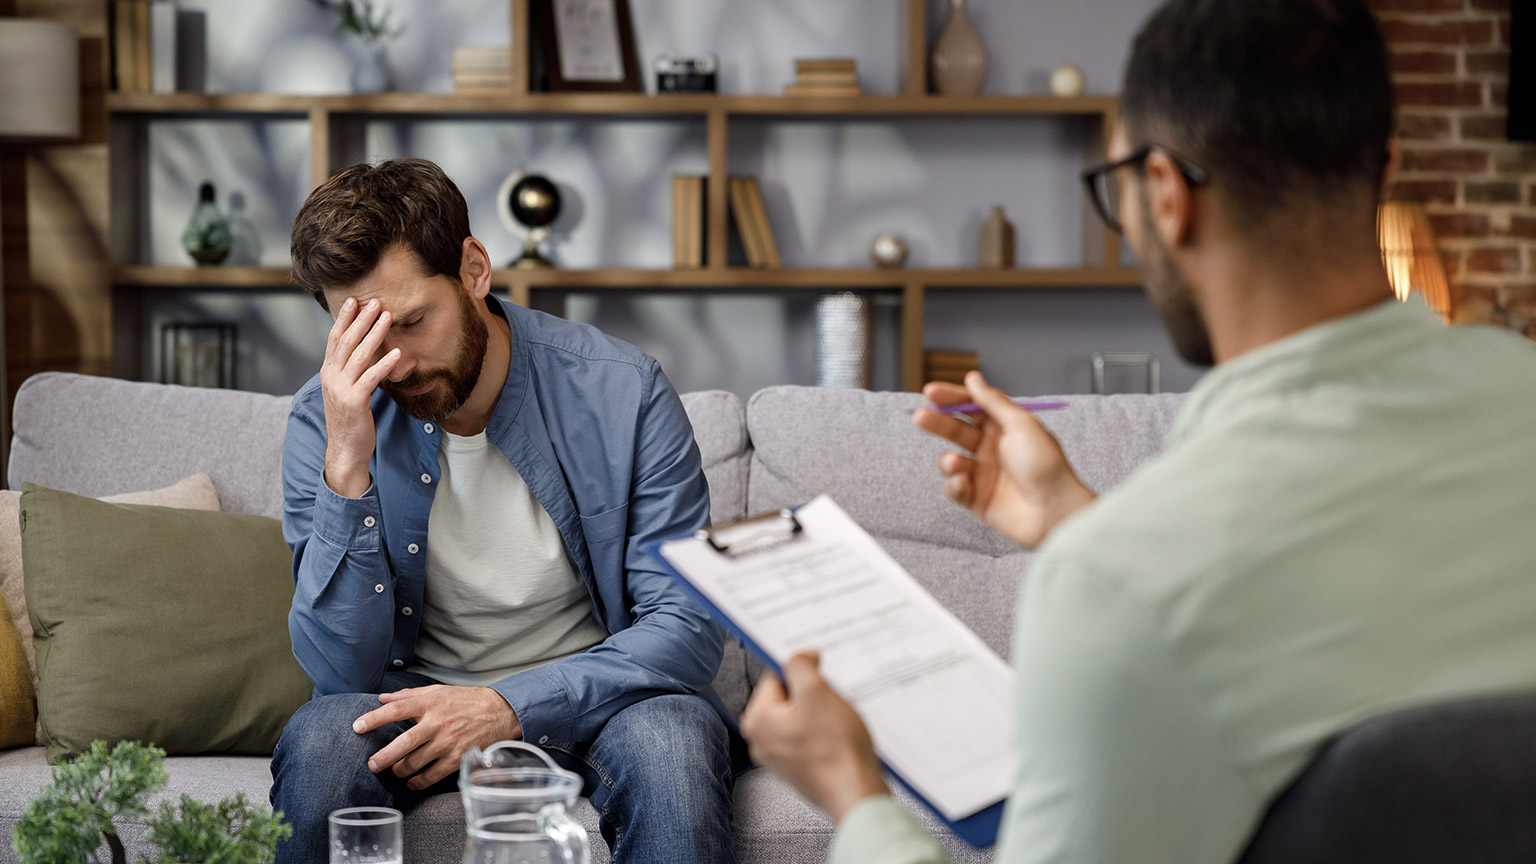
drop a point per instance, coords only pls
(1281, 101)
(347, 224)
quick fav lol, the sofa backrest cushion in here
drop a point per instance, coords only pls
(720, 427)
(102, 436)
(861, 448)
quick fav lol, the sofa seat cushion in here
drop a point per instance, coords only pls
(26, 772)
(772, 823)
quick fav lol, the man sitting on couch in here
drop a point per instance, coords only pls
(1339, 527)
(466, 486)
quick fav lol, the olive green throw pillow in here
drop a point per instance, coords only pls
(159, 625)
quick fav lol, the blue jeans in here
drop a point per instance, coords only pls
(659, 776)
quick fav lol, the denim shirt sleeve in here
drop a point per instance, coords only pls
(341, 622)
(672, 645)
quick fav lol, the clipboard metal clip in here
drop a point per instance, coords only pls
(752, 534)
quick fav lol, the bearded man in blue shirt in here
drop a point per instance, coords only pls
(467, 485)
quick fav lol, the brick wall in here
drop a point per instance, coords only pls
(1450, 61)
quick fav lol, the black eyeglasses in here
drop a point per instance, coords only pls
(1103, 181)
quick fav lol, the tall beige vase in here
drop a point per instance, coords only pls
(996, 241)
(959, 58)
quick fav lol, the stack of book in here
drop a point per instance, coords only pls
(949, 366)
(687, 222)
(144, 46)
(477, 69)
(829, 77)
(752, 225)
(748, 215)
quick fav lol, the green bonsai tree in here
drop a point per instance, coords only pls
(77, 814)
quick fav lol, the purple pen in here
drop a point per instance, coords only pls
(973, 408)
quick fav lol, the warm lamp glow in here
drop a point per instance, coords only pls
(40, 71)
(1409, 254)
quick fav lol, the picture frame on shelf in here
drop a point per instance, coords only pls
(584, 46)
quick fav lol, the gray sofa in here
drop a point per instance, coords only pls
(1445, 783)
(99, 436)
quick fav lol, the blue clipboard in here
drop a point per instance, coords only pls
(980, 829)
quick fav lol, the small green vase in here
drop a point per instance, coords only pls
(207, 238)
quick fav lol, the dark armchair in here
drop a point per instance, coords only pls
(1453, 783)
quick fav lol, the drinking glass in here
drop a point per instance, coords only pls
(366, 835)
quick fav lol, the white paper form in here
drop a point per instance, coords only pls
(937, 701)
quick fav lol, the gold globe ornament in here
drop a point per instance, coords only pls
(528, 205)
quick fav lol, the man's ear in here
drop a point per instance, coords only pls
(475, 268)
(1170, 198)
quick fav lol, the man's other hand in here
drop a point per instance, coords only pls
(1016, 479)
(449, 721)
(348, 377)
(812, 739)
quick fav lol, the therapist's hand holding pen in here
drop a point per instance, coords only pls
(1013, 475)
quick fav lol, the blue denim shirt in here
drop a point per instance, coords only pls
(600, 437)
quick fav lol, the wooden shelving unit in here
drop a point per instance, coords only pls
(336, 125)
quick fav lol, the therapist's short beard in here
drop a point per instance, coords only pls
(1172, 295)
(452, 386)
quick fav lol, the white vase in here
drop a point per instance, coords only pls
(844, 348)
(370, 70)
(959, 58)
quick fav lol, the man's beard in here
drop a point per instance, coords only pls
(454, 385)
(1173, 297)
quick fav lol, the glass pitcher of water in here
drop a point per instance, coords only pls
(517, 805)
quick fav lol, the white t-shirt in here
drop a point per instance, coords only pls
(501, 593)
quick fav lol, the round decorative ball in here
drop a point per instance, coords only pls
(535, 201)
(1067, 80)
(888, 250)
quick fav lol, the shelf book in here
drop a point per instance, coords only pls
(829, 77)
(752, 223)
(949, 366)
(688, 222)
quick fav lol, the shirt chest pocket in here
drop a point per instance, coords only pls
(602, 528)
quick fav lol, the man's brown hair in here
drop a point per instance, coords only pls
(347, 225)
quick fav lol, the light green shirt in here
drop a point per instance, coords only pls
(1340, 526)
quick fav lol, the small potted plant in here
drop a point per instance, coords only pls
(368, 23)
(76, 815)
